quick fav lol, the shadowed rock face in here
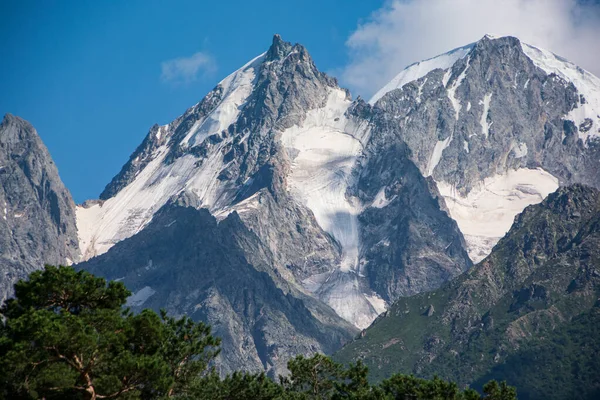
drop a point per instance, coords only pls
(186, 263)
(37, 214)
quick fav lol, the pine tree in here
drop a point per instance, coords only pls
(66, 335)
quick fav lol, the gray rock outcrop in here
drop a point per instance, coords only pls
(37, 213)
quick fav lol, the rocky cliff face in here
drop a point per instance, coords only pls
(37, 214)
(540, 277)
(498, 125)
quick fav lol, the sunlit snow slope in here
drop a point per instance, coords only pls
(587, 115)
(422, 68)
(102, 224)
(488, 211)
(323, 152)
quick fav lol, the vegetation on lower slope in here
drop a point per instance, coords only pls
(562, 365)
(535, 289)
(66, 335)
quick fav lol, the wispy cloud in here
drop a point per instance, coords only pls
(405, 31)
(187, 69)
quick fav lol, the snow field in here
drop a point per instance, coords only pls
(488, 211)
(587, 84)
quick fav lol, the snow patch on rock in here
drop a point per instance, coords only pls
(237, 87)
(452, 90)
(520, 150)
(485, 125)
(381, 200)
(487, 212)
(342, 292)
(140, 297)
(436, 155)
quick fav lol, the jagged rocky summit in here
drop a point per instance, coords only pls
(498, 125)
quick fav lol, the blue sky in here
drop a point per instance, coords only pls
(87, 74)
(94, 76)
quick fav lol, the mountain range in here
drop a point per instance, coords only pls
(290, 216)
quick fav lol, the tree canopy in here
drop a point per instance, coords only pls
(68, 335)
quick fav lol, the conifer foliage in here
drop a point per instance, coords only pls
(68, 335)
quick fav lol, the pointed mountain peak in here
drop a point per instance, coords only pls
(489, 41)
(279, 49)
(7, 117)
(487, 36)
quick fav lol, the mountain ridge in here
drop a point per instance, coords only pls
(277, 137)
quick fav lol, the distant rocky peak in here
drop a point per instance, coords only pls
(37, 213)
(17, 130)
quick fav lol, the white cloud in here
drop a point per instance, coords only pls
(403, 32)
(187, 69)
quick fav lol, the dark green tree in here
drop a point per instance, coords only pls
(401, 387)
(355, 384)
(499, 391)
(237, 386)
(66, 335)
(316, 377)
(188, 348)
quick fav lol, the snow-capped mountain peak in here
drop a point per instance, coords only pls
(496, 127)
(158, 171)
(219, 148)
(184, 155)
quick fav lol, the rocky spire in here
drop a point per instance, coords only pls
(279, 49)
